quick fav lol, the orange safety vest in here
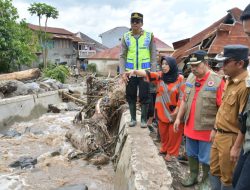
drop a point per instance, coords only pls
(168, 97)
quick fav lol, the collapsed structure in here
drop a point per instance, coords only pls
(227, 30)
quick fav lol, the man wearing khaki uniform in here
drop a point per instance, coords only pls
(226, 146)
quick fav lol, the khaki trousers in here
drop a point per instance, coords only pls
(220, 164)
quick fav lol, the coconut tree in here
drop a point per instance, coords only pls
(49, 12)
(42, 9)
(37, 9)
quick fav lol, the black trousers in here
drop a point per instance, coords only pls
(131, 90)
(242, 172)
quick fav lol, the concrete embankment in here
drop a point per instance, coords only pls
(139, 166)
(24, 108)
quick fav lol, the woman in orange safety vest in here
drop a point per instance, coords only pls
(170, 89)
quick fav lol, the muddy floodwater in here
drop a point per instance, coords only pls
(39, 138)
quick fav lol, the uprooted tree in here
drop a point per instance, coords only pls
(96, 125)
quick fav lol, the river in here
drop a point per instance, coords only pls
(39, 138)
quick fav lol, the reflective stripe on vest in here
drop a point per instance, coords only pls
(138, 56)
(164, 99)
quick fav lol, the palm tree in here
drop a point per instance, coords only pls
(49, 12)
(42, 9)
(37, 8)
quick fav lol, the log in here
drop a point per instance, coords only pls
(74, 99)
(22, 75)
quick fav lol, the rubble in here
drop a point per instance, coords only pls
(24, 162)
(57, 108)
(12, 88)
(11, 134)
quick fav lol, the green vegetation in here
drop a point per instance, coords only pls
(18, 44)
(59, 73)
(91, 67)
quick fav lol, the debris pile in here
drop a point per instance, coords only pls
(96, 125)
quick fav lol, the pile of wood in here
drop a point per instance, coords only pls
(96, 125)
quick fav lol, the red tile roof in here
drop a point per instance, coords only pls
(180, 43)
(50, 29)
(215, 36)
(111, 54)
(57, 32)
(235, 35)
(162, 45)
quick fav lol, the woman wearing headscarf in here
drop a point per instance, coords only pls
(170, 89)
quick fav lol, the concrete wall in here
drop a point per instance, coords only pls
(22, 108)
(112, 37)
(139, 166)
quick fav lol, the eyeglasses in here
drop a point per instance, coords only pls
(135, 20)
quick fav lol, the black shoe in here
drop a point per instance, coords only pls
(182, 158)
(162, 153)
(151, 129)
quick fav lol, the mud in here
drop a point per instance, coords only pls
(179, 170)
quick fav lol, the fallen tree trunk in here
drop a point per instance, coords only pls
(72, 98)
(22, 75)
(93, 130)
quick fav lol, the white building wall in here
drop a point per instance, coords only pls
(103, 67)
(112, 38)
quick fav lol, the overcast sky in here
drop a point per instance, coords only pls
(169, 20)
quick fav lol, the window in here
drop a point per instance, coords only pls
(51, 44)
(57, 61)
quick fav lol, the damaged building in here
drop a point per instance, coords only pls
(227, 30)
